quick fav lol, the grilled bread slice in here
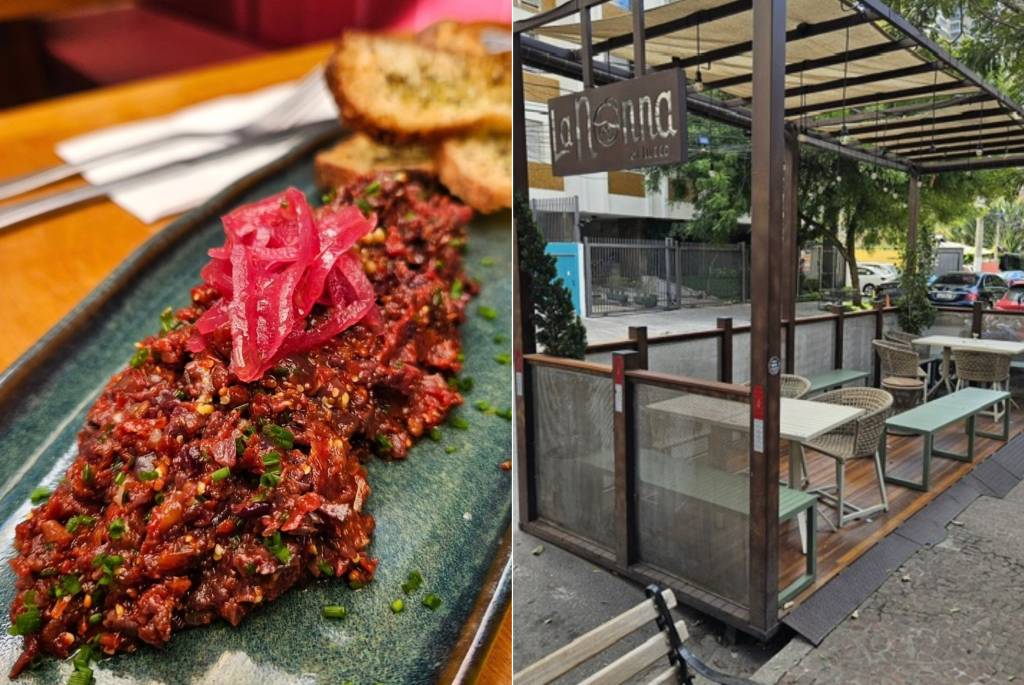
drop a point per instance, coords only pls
(360, 155)
(396, 88)
(478, 169)
(475, 38)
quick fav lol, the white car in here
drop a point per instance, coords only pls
(884, 266)
(874, 275)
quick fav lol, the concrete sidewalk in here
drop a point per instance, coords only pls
(953, 613)
(661, 322)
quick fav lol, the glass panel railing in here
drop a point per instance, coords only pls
(574, 470)
(693, 488)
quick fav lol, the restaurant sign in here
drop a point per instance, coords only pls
(635, 123)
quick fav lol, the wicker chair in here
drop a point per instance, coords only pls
(983, 368)
(928, 361)
(792, 386)
(858, 439)
(900, 361)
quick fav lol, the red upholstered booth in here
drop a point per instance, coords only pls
(160, 36)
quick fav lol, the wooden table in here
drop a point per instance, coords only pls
(951, 342)
(48, 265)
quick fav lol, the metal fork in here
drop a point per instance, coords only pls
(284, 115)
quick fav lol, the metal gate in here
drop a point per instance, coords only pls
(558, 218)
(629, 275)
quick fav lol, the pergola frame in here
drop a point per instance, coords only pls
(774, 160)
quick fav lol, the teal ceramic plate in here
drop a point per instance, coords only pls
(439, 513)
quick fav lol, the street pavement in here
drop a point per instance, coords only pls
(665, 322)
(952, 614)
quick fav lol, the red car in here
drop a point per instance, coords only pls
(1012, 300)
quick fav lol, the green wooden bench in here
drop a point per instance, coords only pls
(831, 380)
(927, 419)
(732, 491)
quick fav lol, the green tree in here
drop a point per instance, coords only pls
(559, 330)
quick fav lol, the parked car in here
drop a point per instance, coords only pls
(872, 276)
(1012, 278)
(963, 289)
(884, 266)
(1012, 300)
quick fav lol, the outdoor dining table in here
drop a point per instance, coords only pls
(800, 422)
(948, 343)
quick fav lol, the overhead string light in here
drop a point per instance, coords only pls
(844, 132)
(698, 83)
(978, 151)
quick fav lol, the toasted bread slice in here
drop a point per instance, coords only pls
(394, 87)
(475, 38)
(478, 169)
(360, 155)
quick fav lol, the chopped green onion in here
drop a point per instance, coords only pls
(95, 618)
(456, 289)
(451, 449)
(409, 216)
(139, 358)
(458, 243)
(466, 383)
(334, 611)
(81, 676)
(116, 528)
(278, 548)
(270, 479)
(431, 601)
(87, 473)
(119, 478)
(384, 443)
(459, 422)
(435, 434)
(482, 405)
(69, 586)
(181, 395)
(168, 321)
(503, 358)
(39, 495)
(48, 573)
(487, 261)
(220, 474)
(500, 339)
(412, 583)
(460, 357)
(397, 606)
(489, 313)
(239, 446)
(149, 475)
(282, 437)
(77, 521)
(27, 622)
(325, 568)
(372, 189)
(364, 206)
(328, 197)
(272, 460)
(504, 413)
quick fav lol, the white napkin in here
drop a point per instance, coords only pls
(150, 200)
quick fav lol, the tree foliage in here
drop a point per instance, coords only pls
(559, 330)
(915, 312)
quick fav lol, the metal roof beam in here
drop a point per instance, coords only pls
(986, 148)
(821, 62)
(976, 164)
(689, 21)
(899, 138)
(874, 97)
(941, 143)
(921, 122)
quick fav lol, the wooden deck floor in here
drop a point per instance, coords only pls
(839, 549)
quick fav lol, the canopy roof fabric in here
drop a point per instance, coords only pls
(855, 71)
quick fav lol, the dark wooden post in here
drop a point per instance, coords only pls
(767, 153)
(913, 212)
(976, 319)
(837, 346)
(639, 334)
(639, 41)
(625, 470)
(586, 44)
(725, 349)
(790, 246)
(876, 367)
(523, 331)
